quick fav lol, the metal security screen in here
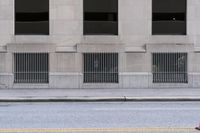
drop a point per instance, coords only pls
(101, 68)
(31, 68)
(170, 68)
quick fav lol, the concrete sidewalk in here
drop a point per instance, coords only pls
(84, 95)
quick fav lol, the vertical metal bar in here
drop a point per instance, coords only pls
(47, 67)
(103, 67)
(158, 73)
(84, 67)
(158, 66)
(83, 57)
(38, 68)
(180, 71)
(186, 67)
(89, 68)
(92, 70)
(43, 66)
(26, 64)
(154, 69)
(175, 66)
(177, 71)
(15, 66)
(18, 76)
(91, 65)
(35, 67)
(165, 65)
(111, 67)
(23, 68)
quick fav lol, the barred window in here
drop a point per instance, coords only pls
(170, 68)
(31, 68)
(100, 68)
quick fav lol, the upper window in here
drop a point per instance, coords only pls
(169, 17)
(100, 17)
(32, 17)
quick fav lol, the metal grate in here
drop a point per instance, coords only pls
(100, 68)
(31, 68)
(170, 68)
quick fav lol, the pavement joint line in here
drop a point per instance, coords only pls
(49, 130)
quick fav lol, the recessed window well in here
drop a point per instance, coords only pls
(31, 68)
(169, 68)
(100, 68)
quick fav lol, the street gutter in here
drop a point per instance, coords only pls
(97, 99)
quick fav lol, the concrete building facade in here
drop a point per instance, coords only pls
(66, 45)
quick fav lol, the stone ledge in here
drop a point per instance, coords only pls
(100, 47)
(31, 47)
(135, 49)
(64, 49)
(3, 49)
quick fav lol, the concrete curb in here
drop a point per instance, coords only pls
(97, 99)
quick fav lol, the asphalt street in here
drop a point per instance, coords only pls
(146, 117)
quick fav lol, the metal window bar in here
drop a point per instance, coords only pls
(100, 67)
(169, 68)
(31, 68)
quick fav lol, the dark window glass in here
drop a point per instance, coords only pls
(32, 17)
(169, 17)
(170, 68)
(31, 68)
(100, 17)
(101, 68)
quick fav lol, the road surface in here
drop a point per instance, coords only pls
(112, 117)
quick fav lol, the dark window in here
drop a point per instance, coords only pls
(101, 68)
(31, 68)
(170, 68)
(169, 17)
(100, 17)
(31, 17)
